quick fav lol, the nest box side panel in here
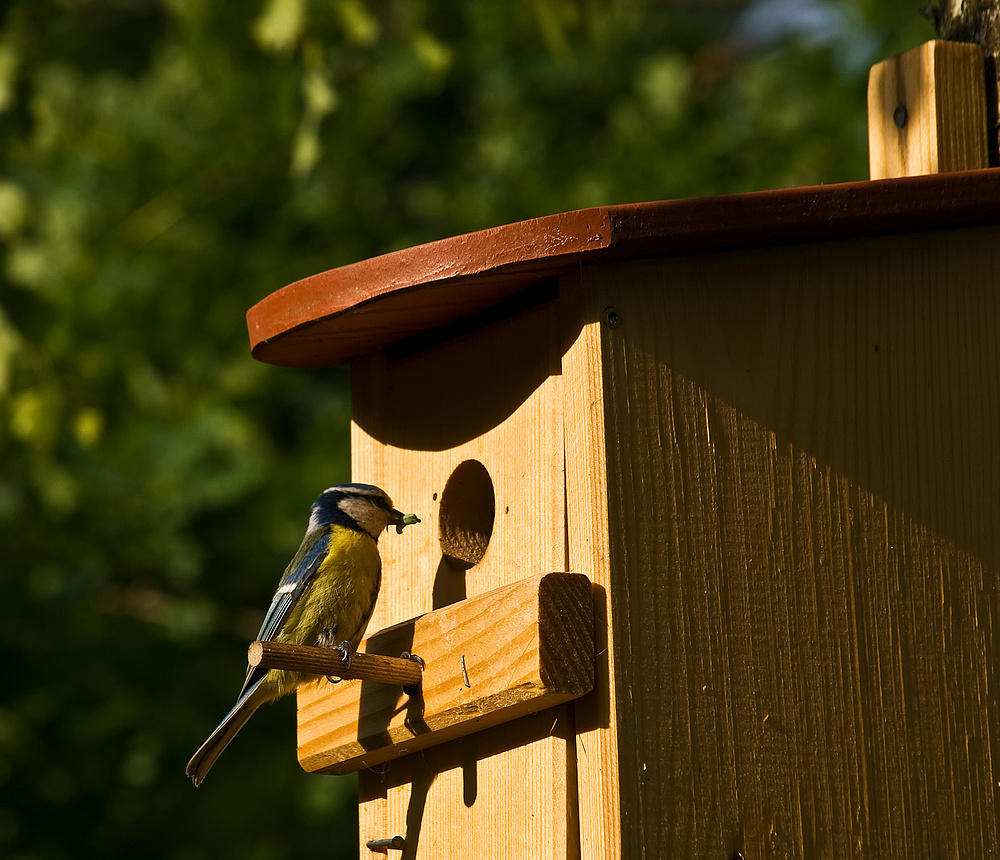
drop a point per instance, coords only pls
(468, 434)
(803, 480)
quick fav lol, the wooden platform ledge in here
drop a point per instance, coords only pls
(489, 659)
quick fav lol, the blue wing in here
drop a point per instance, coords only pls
(298, 575)
(293, 585)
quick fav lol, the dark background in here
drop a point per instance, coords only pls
(165, 165)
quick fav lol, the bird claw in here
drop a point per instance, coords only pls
(346, 654)
(406, 655)
(411, 689)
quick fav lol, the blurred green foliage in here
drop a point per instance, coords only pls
(166, 164)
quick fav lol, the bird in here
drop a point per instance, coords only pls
(325, 598)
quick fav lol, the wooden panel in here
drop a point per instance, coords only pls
(493, 396)
(804, 486)
(927, 111)
(488, 660)
(507, 792)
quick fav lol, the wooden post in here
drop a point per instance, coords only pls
(927, 111)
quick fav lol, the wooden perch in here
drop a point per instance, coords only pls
(489, 659)
(326, 661)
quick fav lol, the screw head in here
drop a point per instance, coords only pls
(899, 116)
(611, 317)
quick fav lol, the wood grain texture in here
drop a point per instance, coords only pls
(493, 396)
(476, 775)
(927, 111)
(804, 486)
(488, 660)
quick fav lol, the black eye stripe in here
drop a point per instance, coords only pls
(371, 498)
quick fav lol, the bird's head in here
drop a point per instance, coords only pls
(358, 506)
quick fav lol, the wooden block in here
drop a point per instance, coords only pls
(511, 652)
(927, 111)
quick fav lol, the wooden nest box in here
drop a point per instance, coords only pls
(764, 428)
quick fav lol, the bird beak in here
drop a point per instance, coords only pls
(400, 520)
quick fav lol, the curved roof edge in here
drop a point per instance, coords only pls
(334, 316)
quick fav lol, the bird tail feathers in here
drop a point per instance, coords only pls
(201, 762)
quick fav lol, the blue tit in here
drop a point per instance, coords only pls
(325, 598)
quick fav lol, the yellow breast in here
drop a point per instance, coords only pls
(336, 606)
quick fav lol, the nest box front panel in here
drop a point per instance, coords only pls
(467, 433)
(804, 485)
